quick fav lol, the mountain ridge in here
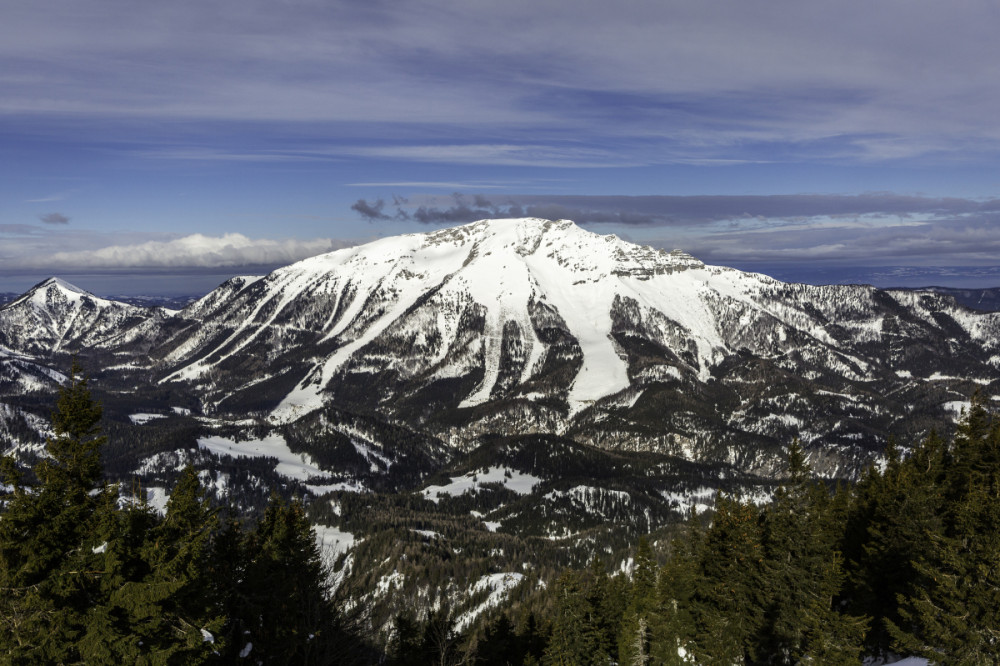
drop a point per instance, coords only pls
(526, 326)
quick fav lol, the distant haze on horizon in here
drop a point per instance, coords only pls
(196, 284)
(162, 150)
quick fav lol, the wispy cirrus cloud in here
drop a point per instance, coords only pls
(705, 83)
(444, 185)
(529, 155)
(56, 196)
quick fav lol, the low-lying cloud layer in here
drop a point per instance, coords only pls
(193, 252)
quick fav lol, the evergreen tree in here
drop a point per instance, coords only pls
(888, 534)
(635, 635)
(286, 612)
(439, 644)
(45, 585)
(673, 627)
(952, 611)
(167, 606)
(532, 639)
(404, 647)
(607, 601)
(117, 549)
(499, 645)
(228, 568)
(574, 638)
(84, 580)
(728, 591)
(803, 575)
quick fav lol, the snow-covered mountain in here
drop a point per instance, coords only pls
(535, 326)
(55, 316)
(531, 325)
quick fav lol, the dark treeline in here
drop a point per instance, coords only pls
(86, 577)
(907, 561)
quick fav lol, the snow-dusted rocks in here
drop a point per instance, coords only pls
(55, 316)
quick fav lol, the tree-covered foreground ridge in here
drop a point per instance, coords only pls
(904, 562)
(88, 576)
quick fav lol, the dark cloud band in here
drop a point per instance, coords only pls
(668, 210)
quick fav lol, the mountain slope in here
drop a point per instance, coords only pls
(529, 325)
(532, 326)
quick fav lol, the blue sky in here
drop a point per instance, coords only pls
(161, 148)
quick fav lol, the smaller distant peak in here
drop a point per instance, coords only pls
(62, 284)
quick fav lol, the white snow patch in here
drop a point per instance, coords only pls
(332, 540)
(938, 377)
(588, 494)
(499, 584)
(348, 486)
(299, 466)
(701, 499)
(166, 460)
(428, 534)
(156, 498)
(957, 408)
(368, 453)
(519, 482)
(393, 580)
(140, 419)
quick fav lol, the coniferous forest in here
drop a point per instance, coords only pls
(904, 562)
(86, 577)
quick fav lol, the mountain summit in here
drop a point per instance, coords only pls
(529, 325)
(428, 289)
(536, 326)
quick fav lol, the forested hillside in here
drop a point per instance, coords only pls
(904, 562)
(90, 575)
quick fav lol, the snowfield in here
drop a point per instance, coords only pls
(333, 541)
(298, 466)
(499, 584)
(519, 482)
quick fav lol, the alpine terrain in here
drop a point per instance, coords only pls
(495, 385)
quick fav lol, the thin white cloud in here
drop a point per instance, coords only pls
(537, 155)
(444, 185)
(57, 196)
(190, 252)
